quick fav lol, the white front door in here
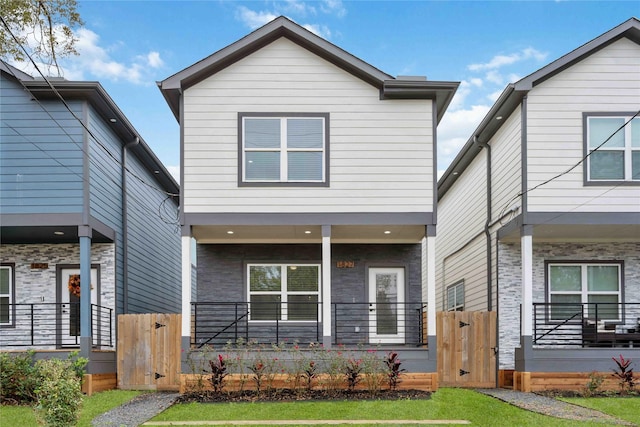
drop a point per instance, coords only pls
(386, 305)
(69, 322)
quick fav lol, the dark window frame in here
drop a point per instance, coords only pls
(12, 297)
(326, 149)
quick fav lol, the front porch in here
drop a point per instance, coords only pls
(355, 324)
(51, 326)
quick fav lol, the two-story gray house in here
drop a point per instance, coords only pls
(88, 219)
(539, 216)
(308, 182)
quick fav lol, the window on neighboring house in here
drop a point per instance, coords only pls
(7, 296)
(287, 292)
(617, 159)
(455, 297)
(589, 289)
(284, 149)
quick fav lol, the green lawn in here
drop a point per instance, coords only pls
(445, 404)
(624, 408)
(93, 406)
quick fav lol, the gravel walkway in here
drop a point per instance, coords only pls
(137, 411)
(552, 407)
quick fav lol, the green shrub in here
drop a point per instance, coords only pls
(59, 394)
(18, 378)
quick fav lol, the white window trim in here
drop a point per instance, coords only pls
(284, 150)
(9, 295)
(458, 305)
(284, 292)
(584, 293)
(628, 149)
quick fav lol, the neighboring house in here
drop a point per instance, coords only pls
(539, 214)
(308, 181)
(88, 220)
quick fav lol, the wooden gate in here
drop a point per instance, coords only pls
(149, 351)
(466, 348)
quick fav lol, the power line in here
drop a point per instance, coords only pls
(66, 105)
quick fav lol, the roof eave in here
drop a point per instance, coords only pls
(441, 92)
(95, 94)
(504, 106)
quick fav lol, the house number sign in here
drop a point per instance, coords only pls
(346, 264)
(39, 265)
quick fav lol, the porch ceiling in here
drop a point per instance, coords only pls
(307, 234)
(579, 233)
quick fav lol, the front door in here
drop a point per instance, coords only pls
(69, 319)
(386, 305)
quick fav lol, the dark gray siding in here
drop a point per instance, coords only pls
(154, 249)
(40, 158)
(221, 268)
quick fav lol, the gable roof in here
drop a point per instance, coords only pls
(513, 94)
(95, 94)
(390, 88)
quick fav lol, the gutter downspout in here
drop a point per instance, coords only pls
(125, 226)
(487, 223)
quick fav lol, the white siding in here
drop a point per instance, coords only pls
(506, 166)
(381, 152)
(460, 254)
(606, 81)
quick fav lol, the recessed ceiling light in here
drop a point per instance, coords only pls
(307, 231)
(499, 118)
(59, 233)
(230, 232)
(112, 120)
(387, 232)
(455, 173)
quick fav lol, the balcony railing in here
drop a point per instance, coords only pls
(586, 325)
(53, 325)
(221, 323)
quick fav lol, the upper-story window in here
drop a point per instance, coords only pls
(613, 148)
(284, 149)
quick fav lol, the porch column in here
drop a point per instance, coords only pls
(186, 288)
(84, 235)
(526, 248)
(431, 290)
(326, 286)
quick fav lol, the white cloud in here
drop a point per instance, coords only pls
(319, 30)
(476, 82)
(95, 61)
(154, 60)
(298, 7)
(500, 61)
(493, 96)
(494, 77)
(334, 7)
(175, 172)
(455, 129)
(254, 19)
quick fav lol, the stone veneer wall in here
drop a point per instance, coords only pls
(39, 285)
(509, 281)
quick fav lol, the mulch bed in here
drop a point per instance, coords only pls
(288, 395)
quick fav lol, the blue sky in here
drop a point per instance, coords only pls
(129, 45)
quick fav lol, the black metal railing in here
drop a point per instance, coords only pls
(586, 325)
(222, 323)
(53, 325)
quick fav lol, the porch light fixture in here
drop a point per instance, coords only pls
(230, 232)
(59, 233)
(307, 231)
(387, 232)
